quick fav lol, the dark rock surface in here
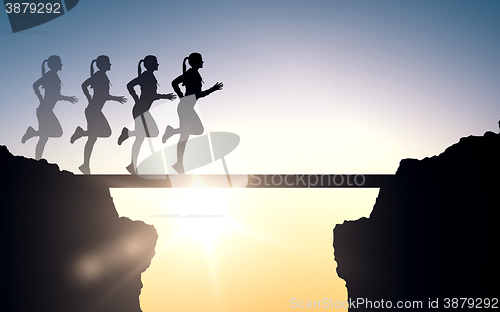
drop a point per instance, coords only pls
(433, 232)
(64, 247)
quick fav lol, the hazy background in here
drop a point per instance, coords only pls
(309, 86)
(333, 84)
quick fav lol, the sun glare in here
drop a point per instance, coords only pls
(203, 214)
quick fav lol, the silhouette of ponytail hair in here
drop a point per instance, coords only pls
(92, 67)
(184, 64)
(148, 61)
(100, 61)
(50, 62)
(184, 68)
(139, 69)
(43, 67)
(192, 57)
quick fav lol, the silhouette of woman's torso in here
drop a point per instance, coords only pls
(51, 83)
(148, 83)
(192, 81)
(100, 84)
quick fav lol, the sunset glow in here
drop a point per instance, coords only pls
(310, 87)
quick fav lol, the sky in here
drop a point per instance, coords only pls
(309, 87)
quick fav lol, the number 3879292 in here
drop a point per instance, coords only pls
(33, 8)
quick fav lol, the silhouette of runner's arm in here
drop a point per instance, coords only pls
(169, 96)
(215, 87)
(71, 99)
(120, 99)
(137, 81)
(36, 88)
(200, 94)
(175, 85)
(85, 88)
(130, 87)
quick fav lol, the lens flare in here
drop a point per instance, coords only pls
(89, 268)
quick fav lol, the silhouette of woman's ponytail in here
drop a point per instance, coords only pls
(43, 67)
(48, 124)
(97, 125)
(139, 68)
(192, 58)
(92, 67)
(52, 62)
(184, 64)
(102, 62)
(189, 121)
(145, 125)
(184, 67)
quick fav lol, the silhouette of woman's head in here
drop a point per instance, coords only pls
(102, 63)
(150, 63)
(54, 63)
(195, 61)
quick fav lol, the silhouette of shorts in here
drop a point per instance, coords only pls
(96, 123)
(187, 102)
(48, 124)
(188, 118)
(145, 126)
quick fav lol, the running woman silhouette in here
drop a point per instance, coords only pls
(145, 125)
(189, 122)
(97, 125)
(48, 124)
